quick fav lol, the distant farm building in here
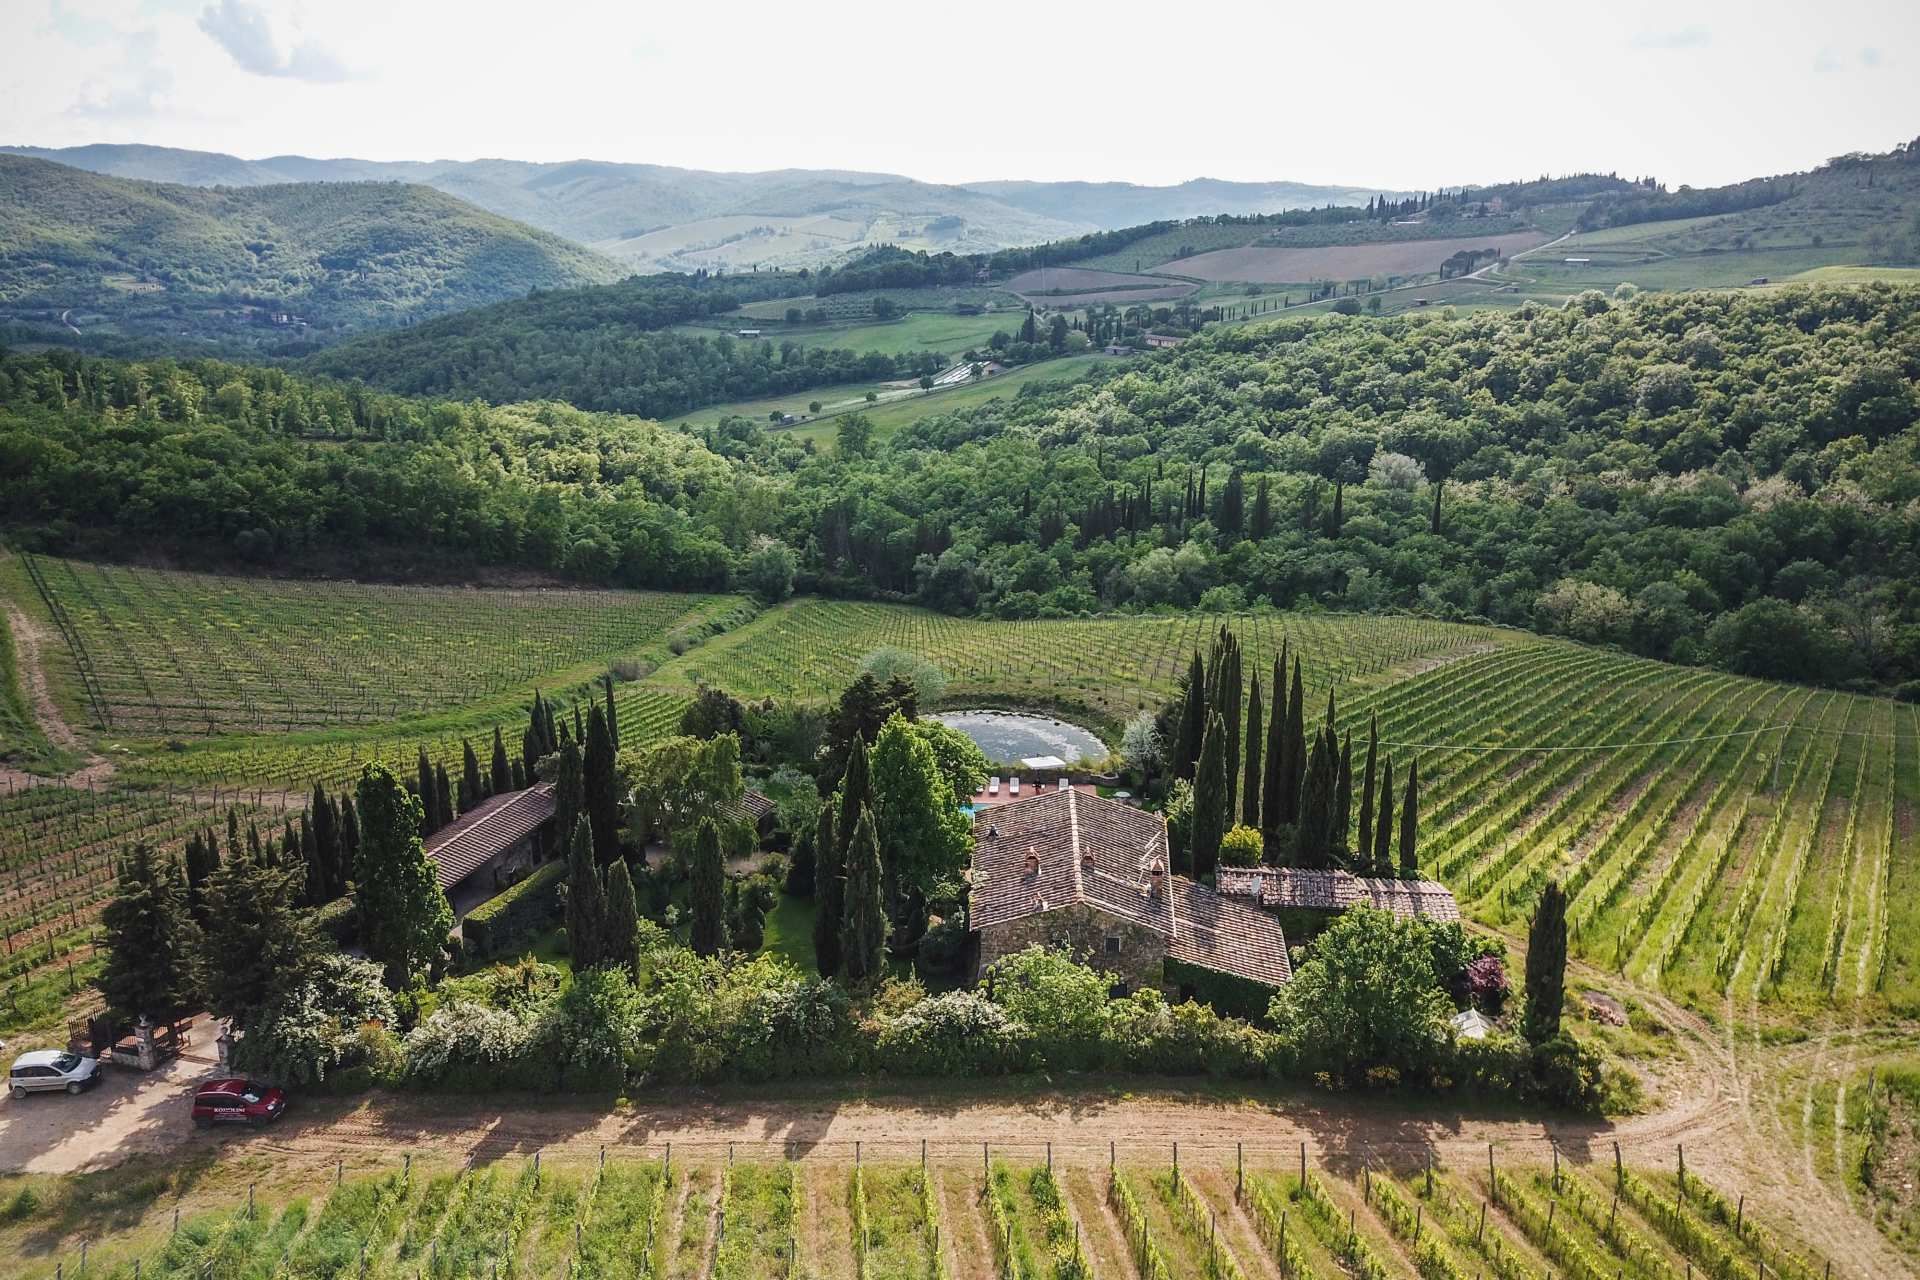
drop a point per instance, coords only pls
(746, 333)
(1578, 261)
(1117, 349)
(1160, 341)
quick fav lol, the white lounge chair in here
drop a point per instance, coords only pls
(993, 785)
(1064, 785)
(1013, 786)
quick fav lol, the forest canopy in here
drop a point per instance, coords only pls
(1723, 478)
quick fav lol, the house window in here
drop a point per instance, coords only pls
(1113, 944)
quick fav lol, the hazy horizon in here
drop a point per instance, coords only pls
(1692, 93)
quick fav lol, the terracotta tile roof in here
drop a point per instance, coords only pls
(754, 806)
(1336, 890)
(1428, 898)
(1218, 933)
(1104, 854)
(464, 845)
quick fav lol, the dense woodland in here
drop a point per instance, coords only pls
(166, 261)
(1712, 478)
(607, 348)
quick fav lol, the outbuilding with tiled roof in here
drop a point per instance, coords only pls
(474, 853)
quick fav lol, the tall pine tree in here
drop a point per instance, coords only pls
(1343, 803)
(1296, 757)
(864, 928)
(1546, 966)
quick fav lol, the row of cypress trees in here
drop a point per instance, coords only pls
(1297, 791)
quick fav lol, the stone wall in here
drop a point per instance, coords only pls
(1083, 931)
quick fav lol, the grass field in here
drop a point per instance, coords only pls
(641, 1213)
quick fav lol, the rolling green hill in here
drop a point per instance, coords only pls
(84, 253)
(655, 217)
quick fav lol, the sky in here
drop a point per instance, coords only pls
(1383, 93)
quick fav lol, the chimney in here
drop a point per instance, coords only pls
(1033, 862)
(1086, 858)
(1157, 878)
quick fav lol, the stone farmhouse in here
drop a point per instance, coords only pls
(1069, 869)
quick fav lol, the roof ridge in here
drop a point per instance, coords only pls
(1073, 842)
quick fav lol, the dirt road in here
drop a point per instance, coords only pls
(1080, 1118)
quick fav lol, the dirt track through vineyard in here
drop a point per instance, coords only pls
(1718, 1096)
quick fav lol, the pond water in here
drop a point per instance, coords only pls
(1007, 736)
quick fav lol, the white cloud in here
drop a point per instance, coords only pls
(134, 88)
(1681, 38)
(246, 33)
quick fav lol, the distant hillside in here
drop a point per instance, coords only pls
(83, 252)
(1110, 205)
(654, 217)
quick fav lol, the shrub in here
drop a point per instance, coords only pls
(942, 949)
(1060, 1001)
(495, 926)
(1486, 985)
(1568, 1073)
(313, 1026)
(1144, 1033)
(956, 1033)
(1242, 847)
(1366, 998)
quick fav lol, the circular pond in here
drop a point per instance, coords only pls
(1009, 736)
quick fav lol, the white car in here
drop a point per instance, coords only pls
(46, 1070)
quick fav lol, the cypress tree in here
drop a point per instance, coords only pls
(404, 914)
(1295, 777)
(1250, 777)
(1433, 525)
(613, 714)
(502, 779)
(203, 859)
(864, 922)
(443, 791)
(856, 793)
(1343, 801)
(1193, 720)
(569, 791)
(586, 898)
(326, 849)
(1382, 860)
(1211, 798)
(1363, 836)
(151, 939)
(1276, 762)
(707, 893)
(1226, 702)
(1409, 824)
(473, 789)
(829, 894)
(349, 843)
(601, 787)
(1546, 966)
(620, 947)
(429, 795)
(1339, 516)
(1314, 845)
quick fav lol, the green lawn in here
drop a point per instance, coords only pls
(790, 932)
